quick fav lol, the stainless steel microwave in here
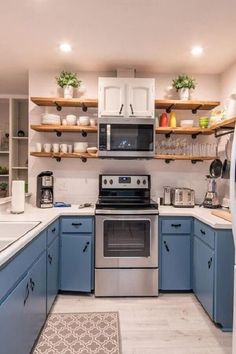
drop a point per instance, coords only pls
(126, 137)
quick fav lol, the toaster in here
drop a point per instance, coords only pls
(182, 197)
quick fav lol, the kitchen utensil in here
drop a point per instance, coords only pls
(47, 147)
(164, 120)
(61, 205)
(93, 122)
(167, 195)
(226, 164)
(83, 120)
(226, 215)
(203, 122)
(211, 199)
(85, 205)
(38, 147)
(55, 148)
(80, 147)
(186, 123)
(216, 168)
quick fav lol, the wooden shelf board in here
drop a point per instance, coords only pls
(180, 130)
(63, 128)
(229, 123)
(63, 155)
(183, 157)
(65, 102)
(184, 105)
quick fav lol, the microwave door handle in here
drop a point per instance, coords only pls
(108, 137)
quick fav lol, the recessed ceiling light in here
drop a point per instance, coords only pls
(65, 47)
(197, 51)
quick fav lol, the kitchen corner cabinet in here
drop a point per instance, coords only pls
(77, 254)
(213, 264)
(175, 253)
(23, 298)
(126, 97)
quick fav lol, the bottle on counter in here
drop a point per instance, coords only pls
(164, 120)
(173, 122)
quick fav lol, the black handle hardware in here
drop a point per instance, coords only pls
(27, 294)
(175, 225)
(121, 108)
(32, 284)
(54, 229)
(50, 258)
(86, 246)
(203, 232)
(166, 246)
(209, 263)
(76, 223)
(131, 107)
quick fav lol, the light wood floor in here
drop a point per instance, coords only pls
(169, 324)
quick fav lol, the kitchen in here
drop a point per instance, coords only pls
(77, 182)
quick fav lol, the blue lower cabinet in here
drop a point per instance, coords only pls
(203, 274)
(52, 272)
(175, 262)
(23, 312)
(76, 262)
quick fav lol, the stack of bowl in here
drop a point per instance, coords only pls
(203, 122)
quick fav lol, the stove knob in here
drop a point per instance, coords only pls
(105, 181)
(144, 181)
(138, 181)
(111, 181)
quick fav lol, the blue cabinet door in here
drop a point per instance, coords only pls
(52, 272)
(203, 274)
(175, 262)
(76, 264)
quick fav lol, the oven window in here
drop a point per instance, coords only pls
(126, 238)
(131, 137)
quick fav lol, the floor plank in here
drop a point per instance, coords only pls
(169, 324)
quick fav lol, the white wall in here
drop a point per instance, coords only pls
(76, 181)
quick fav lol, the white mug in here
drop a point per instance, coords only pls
(55, 148)
(64, 121)
(38, 147)
(93, 122)
(70, 149)
(63, 148)
(47, 147)
(71, 119)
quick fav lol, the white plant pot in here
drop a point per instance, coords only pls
(184, 94)
(68, 91)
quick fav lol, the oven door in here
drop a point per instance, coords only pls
(126, 137)
(126, 241)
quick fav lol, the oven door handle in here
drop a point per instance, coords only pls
(108, 137)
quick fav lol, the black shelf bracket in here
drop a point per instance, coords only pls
(195, 135)
(84, 133)
(168, 109)
(218, 135)
(58, 133)
(169, 160)
(194, 111)
(83, 159)
(59, 108)
(195, 161)
(167, 135)
(57, 158)
(84, 107)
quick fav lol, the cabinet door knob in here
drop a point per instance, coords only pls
(26, 294)
(86, 246)
(121, 108)
(166, 246)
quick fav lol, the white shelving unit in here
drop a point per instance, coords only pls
(13, 148)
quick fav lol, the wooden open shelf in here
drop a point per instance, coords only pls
(84, 155)
(184, 157)
(187, 131)
(63, 128)
(227, 123)
(193, 105)
(65, 102)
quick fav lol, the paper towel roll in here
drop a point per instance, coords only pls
(18, 197)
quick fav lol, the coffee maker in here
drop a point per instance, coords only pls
(211, 199)
(44, 197)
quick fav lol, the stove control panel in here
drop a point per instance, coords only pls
(125, 182)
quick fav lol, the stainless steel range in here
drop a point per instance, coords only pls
(126, 256)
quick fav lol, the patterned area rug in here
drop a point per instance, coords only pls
(80, 333)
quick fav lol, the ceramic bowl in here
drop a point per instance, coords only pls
(80, 147)
(71, 119)
(83, 120)
(92, 150)
(186, 123)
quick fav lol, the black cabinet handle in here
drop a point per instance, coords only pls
(50, 258)
(121, 108)
(54, 229)
(166, 246)
(209, 263)
(86, 246)
(32, 284)
(203, 232)
(131, 107)
(26, 294)
(76, 223)
(175, 225)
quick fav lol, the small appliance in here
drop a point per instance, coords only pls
(183, 197)
(44, 198)
(126, 137)
(167, 195)
(211, 199)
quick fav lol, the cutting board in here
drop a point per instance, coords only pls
(226, 215)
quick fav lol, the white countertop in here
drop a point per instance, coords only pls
(47, 216)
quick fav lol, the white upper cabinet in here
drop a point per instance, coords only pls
(126, 97)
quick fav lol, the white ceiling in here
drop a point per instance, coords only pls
(149, 35)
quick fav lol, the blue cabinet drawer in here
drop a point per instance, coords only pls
(205, 233)
(176, 226)
(77, 225)
(53, 231)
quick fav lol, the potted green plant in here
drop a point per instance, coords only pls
(4, 170)
(68, 81)
(3, 189)
(183, 84)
